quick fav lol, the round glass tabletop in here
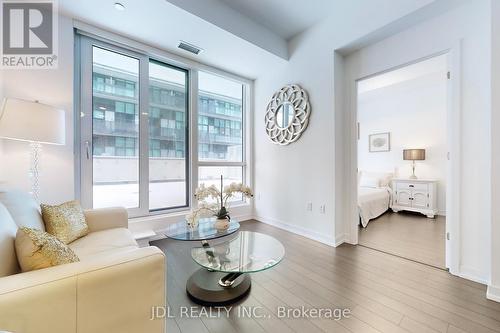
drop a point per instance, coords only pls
(249, 252)
(205, 230)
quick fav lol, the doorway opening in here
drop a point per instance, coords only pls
(402, 158)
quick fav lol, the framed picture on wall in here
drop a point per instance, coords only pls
(379, 142)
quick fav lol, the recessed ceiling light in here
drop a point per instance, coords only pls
(119, 6)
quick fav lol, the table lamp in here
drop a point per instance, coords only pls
(35, 123)
(413, 155)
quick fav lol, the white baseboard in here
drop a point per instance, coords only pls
(340, 239)
(493, 293)
(300, 231)
(243, 218)
(472, 274)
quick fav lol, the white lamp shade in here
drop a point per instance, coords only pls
(32, 121)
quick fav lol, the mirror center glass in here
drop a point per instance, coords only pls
(284, 115)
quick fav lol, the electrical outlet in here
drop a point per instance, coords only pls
(322, 209)
(309, 206)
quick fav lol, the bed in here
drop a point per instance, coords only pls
(374, 196)
(372, 202)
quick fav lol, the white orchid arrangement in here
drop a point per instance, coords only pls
(220, 196)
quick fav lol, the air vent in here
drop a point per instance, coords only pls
(189, 47)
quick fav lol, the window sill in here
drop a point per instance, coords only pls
(178, 214)
(158, 216)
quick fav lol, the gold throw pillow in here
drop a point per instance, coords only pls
(36, 249)
(66, 221)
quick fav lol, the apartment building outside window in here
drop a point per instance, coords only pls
(130, 105)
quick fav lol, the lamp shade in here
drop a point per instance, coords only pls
(32, 121)
(414, 154)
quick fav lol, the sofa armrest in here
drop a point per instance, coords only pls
(112, 293)
(106, 218)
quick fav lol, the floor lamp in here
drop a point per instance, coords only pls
(35, 123)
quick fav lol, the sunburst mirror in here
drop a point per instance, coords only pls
(287, 114)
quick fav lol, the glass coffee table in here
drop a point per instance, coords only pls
(223, 278)
(204, 231)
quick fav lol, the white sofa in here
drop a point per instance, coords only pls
(111, 289)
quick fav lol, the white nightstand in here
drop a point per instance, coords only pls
(416, 195)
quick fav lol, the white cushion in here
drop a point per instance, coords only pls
(367, 181)
(103, 242)
(384, 178)
(23, 209)
(8, 258)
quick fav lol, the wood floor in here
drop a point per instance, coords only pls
(409, 235)
(385, 293)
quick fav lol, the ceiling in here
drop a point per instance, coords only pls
(162, 25)
(244, 37)
(286, 18)
(417, 70)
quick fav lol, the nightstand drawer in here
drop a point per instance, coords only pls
(411, 186)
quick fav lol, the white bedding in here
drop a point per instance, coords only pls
(372, 202)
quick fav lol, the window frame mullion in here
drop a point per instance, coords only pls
(193, 133)
(143, 136)
(85, 123)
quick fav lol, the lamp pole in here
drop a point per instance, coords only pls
(36, 150)
(413, 176)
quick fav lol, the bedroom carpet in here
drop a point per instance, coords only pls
(385, 293)
(408, 235)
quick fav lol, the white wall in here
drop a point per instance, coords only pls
(414, 113)
(494, 287)
(288, 177)
(470, 23)
(53, 87)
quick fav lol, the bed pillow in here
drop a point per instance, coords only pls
(369, 181)
(385, 178)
